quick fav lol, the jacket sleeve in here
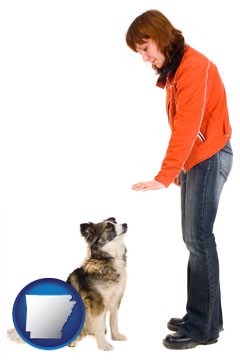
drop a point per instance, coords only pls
(190, 99)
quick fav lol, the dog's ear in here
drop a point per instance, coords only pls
(112, 219)
(88, 231)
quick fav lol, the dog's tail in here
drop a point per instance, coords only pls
(13, 336)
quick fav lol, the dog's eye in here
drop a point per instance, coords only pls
(109, 226)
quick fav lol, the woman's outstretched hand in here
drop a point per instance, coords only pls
(148, 185)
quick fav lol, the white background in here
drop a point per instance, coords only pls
(82, 121)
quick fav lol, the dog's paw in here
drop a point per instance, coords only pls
(72, 344)
(105, 346)
(119, 337)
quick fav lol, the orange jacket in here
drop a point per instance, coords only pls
(198, 115)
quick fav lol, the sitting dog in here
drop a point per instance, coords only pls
(101, 279)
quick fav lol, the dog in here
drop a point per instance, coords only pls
(101, 279)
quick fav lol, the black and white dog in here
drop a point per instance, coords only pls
(101, 279)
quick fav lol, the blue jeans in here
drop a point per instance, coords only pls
(201, 188)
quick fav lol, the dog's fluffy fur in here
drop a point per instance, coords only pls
(13, 336)
(101, 279)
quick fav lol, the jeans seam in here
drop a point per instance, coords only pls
(202, 190)
(209, 264)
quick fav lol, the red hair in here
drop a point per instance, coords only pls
(153, 25)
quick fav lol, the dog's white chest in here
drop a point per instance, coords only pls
(112, 291)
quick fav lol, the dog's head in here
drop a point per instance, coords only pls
(103, 236)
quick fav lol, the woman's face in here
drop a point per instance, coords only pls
(150, 52)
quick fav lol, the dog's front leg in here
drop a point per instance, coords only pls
(99, 329)
(114, 325)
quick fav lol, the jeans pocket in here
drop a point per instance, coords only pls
(226, 160)
(228, 148)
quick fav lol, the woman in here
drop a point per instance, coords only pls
(198, 158)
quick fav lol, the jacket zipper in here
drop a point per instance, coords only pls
(168, 108)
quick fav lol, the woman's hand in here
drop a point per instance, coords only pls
(177, 180)
(148, 185)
